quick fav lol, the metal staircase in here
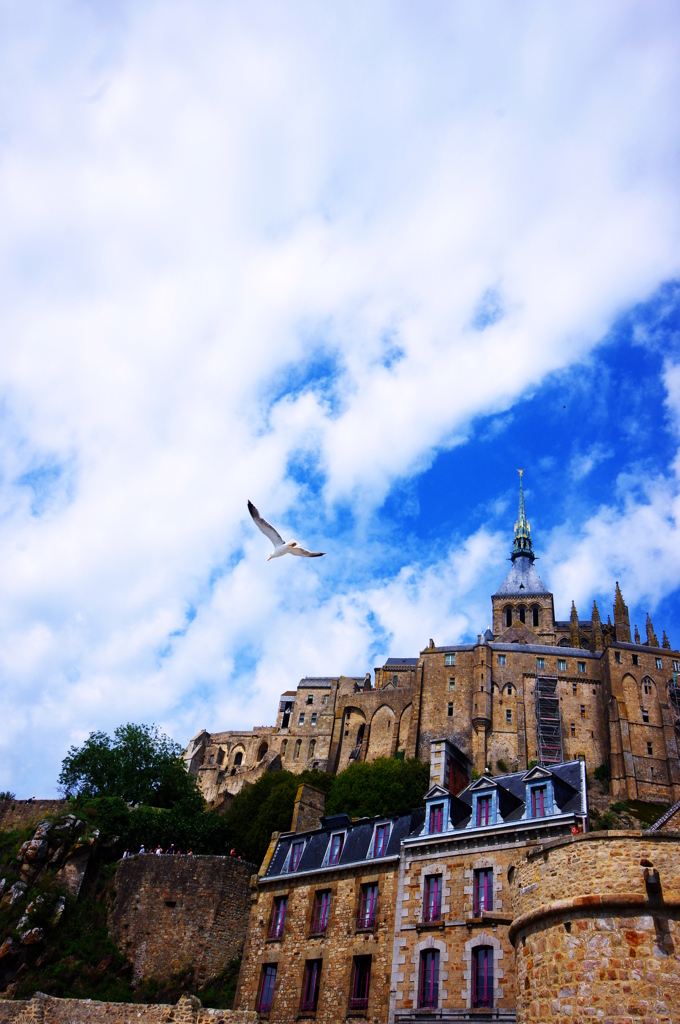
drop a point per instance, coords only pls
(674, 701)
(548, 721)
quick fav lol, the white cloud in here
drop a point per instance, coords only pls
(197, 199)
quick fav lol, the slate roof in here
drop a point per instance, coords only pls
(357, 841)
(522, 580)
(400, 661)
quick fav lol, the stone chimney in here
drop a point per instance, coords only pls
(308, 810)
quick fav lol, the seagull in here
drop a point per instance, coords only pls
(281, 546)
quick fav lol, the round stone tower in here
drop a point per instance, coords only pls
(596, 929)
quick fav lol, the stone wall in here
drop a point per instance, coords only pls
(17, 814)
(175, 912)
(596, 933)
(44, 1009)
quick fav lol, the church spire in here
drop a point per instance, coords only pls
(522, 544)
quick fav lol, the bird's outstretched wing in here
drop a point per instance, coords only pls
(295, 549)
(267, 529)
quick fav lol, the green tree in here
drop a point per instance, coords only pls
(386, 786)
(139, 763)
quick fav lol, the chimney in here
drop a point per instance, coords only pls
(308, 810)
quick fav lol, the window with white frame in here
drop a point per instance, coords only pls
(659, 662)
(540, 663)
(581, 666)
(449, 659)
(561, 664)
(501, 659)
(380, 840)
(335, 848)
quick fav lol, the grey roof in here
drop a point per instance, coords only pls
(312, 682)
(357, 841)
(522, 580)
(400, 661)
(551, 649)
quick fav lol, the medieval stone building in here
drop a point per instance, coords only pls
(531, 688)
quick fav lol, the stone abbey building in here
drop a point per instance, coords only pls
(532, 688)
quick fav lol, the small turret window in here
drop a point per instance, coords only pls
(534, 612)
(508, 616)
(522, 613)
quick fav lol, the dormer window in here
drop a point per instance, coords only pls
(484, 810)
(436, 818)
(539, 801)
(337, 843)
(382, 836)
(295, 855)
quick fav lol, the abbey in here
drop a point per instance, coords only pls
(531, 689)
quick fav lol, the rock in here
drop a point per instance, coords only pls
(31, 936)
(3, 882)
(7, 947)
(59, 909)
(15, 893)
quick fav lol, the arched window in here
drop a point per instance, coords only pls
(283, 748)
(534, 612)
(395, 680)
(262, 751)
(482, 976)
(312, 748)
(238, 757)
(522, 613)
(508, 616)
(296, 752)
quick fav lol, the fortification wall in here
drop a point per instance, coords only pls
(173, 913)
(44, 1009)
(17, 814)
(595, 935)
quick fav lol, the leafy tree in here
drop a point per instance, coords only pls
(140, 764)
(386, 786)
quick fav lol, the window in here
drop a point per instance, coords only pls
(369, 901)
(295, 855)
(508, 616)
(539, 801)
(522, 613)
(483, 810)
(449, 710)
(561, 665)
(617, 657)
(382, 835)
(658, 662)
(298, 744)
(508, 715)
(534, 612)
(278, 917)
(283, 748)
(238, 757)
(574, 688)
(636, 659)
(324, 701)
(266, 993)
(312, 748)
(310, 986)
(482, 891)
(573, 729)
(540, 662)
(482, 976)
(645, 715)
(676, 666)
(583, 711)
(509, 689)
(581, 665)
(450, 659)
(313, 717)
(322, 905)
(301, 720)
(428, 989)
(432, 909)
(337, 843)
(501, 659)
(310, 698)
(452, 684)
(650, 749)
(436, 818)
(647, 687)
(361, 971)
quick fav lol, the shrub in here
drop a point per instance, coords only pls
(601, 773)
(501, 765)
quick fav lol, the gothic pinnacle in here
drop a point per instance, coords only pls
(522, 542)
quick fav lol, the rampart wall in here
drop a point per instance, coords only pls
(175, 913)
(42, 1009)
(16, 814)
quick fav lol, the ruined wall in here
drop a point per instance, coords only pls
(44, 1009)
(593, 938)
(173, 912)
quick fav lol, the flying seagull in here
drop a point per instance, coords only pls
(281, 546)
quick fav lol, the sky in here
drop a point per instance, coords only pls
(357, 263)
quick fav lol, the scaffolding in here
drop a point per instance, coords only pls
(548, 721)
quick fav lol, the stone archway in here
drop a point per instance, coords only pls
(404, 727)
(381, 739)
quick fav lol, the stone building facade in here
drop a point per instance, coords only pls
(531, 688)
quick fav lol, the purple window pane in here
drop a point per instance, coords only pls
(433, 898)
(336, 849)
(295, 855)
(482, 976)
(321, 908)
(381, 836)
(279, 917)
(310, 986)
(369, 899)
(264, 1001)
(429, 978)
(362, 980)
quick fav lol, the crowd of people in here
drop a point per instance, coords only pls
(172, 852)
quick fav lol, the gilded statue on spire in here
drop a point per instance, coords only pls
(522, 543)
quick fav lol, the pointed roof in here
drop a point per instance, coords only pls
(522, 580)
(521, 547)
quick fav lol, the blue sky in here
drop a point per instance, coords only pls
(357, 264)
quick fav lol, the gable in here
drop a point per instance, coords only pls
(437, 792)
(536, 773)
(519, 633)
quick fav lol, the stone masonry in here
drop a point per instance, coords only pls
(597, 930)
(42, 1009)
(172, 913)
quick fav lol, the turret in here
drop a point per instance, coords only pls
(621, 617)
(651, 635)
(573, 627)
(596, 630)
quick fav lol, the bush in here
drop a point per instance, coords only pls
(385, 786)
(6, 795)
(501, 765)
(601, 773)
